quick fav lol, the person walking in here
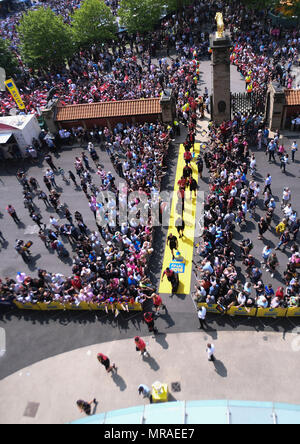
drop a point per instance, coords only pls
(12, 212)
(199, 164)
(47, 183)
(157, 302)
(202, 318)
(294, 149)
(86, 406)
(43, 196)
(180, 226)
(210, 350)
(104, 360)
(73, 178)
(173, 244)
(262, 227)
(140, 345)
(144, 390)
(149, 319)
(268, 183)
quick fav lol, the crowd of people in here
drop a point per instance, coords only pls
(232, 202)
(124, 69)
(110, 265)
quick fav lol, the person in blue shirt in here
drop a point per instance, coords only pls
(269, 293)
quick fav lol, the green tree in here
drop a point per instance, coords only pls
(8, 60)
(174, 5)
(45, 39)
(93, 23)
(260, 4)
(140, 15)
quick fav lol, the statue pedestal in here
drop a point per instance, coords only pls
(221, 99)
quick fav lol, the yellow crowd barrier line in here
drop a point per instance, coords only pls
(185, 244)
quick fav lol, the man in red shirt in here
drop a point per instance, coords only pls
(76, 283)
(157, 302)
(106, 362)
(187, 157)
(182, 182)
(140, 346)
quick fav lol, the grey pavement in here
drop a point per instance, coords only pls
(249, 366)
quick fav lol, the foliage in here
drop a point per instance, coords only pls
(45, 39)
(8, 60)
(93, 23)
(174, 5)
(140, 16)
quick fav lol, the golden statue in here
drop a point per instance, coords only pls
(220, 23)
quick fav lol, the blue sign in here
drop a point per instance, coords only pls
(177, 267)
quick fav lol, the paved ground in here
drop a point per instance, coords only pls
(249, 366)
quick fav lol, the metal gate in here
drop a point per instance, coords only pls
(253, 103)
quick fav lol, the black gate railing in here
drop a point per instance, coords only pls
(249, 103)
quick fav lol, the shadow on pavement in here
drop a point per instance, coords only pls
(220, 368)
(152, 363)
(119, 381)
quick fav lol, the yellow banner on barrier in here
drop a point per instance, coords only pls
(50, 306)
(241, 311)
(44, 306)
(11, 86)
(26, 305)
(293, 312)
(271, 312)
(81, 306)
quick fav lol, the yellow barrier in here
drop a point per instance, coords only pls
(293, 312)
(50, 306)
(82, 306)
(26, 305)
(85, 306)
(255, 312)
(241, 311)
(271, 312)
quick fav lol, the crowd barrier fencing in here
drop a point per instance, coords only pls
(83, 306)
(253, 312)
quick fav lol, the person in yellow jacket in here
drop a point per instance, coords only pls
(249, 88)
(281, 227)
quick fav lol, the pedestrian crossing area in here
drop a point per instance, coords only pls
(185, 244)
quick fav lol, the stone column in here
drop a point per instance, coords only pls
(49, 114)
(168, 107)
(276, 106)
(221, 99)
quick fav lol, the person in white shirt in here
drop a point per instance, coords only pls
(210, 352)
(202, 318)
(294, 148)
(286, 197)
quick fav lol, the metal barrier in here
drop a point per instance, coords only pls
(254, 312)
(83, 306)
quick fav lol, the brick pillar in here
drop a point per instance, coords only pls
(49, 114)
(221, 99)
(276, 106)
(168, 107)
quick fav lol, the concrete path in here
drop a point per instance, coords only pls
(249, 366)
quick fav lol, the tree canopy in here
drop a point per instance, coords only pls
(8, 60)
(140, 16)
(93, 23)
(45, 39)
